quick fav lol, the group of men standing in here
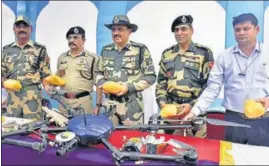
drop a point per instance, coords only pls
(187, 76)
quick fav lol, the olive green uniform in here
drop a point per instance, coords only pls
(183, 76)
(132, 65)
(29, 65)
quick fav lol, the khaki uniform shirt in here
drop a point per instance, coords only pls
(77, 71)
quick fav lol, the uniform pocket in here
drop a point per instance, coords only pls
(108, 64)
(131, 65)
(191, 70)
(33, 64)
(169, 67)
(10, 63)
(85, 69)
(62, 67)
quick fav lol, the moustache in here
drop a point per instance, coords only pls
(71, 44)
(22, 32)
(116, 36)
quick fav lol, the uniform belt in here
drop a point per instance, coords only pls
(243, 116)
(71, 95)
(179, 100)
(124, 98)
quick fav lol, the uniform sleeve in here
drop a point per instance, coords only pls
(58, 66)
(3, 68)
(206, 67)
(44, 64)
(3, 65)
(100, 79)
(161, 87)
(213, 87)
(95, 68)
(148, 76)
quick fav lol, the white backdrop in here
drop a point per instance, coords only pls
(154, 28)
(155, 31)
(52, 25)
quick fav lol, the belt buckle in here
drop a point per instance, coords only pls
(71, 95)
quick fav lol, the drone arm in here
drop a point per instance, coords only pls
(7, 134)
(34, 145)
(154, 127)
(109, 146)
(25, 129)
(56, 129)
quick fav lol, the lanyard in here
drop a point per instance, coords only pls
(243, 73)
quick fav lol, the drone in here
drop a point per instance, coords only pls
(85, 129)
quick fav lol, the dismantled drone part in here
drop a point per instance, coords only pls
(65, 136)
(134, 144)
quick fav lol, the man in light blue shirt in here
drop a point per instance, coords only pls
(244, 71)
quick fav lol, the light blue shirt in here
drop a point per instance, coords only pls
(237, 88)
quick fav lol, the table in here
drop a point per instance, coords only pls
(208, 151)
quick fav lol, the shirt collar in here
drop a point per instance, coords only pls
(80, 54)
(238, 50)
(29, 43)
(191, 48)
(128, 44)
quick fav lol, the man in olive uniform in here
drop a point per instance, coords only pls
(27, 62)
(77, 67)
(184, 70)
(130, 64)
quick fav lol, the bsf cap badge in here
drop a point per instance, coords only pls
(20, 18)
(116, 20)
(183, 19)
(76, 30)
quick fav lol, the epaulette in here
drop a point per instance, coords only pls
(137, 44)
(108, 47)
(7, 46)
(88, 53)
(64, 53)
(169, 49)
(203, 47)
(39, 45)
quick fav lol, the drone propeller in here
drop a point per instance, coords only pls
(212, 121)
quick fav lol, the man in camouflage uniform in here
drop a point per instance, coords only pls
(77, 67)
(130, 64)
(184, 70)
(29, 63)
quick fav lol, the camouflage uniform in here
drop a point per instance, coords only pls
(182, 77)
(132, 65)
(29, 65)
(79, 74)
